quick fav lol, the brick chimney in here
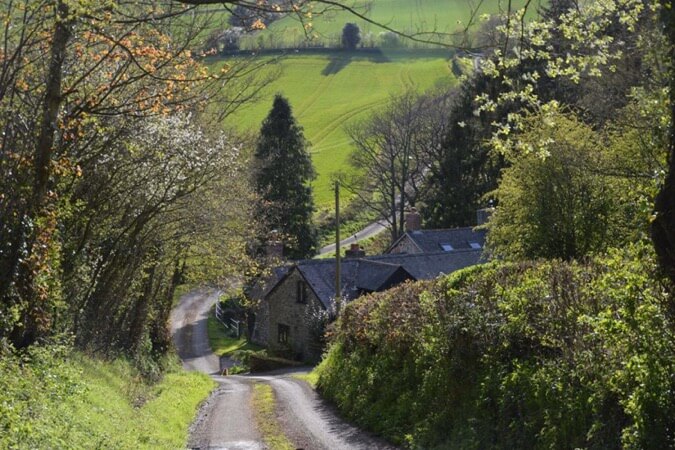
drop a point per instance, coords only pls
(274, 247)
(355, 251)
(413, 220)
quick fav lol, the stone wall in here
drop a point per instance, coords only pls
(260, 334)
(302, 319)
(405, 245)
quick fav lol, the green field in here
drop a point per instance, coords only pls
(444, 17)
(330, 91)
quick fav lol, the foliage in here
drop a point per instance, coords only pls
(462, 169)
(283, 171)
(566, 205)
(55, 398)
(311, 378)
(351, 36)
(512, 355)
(137, 246)
(586, 42)
(221, 343)
(106, 179)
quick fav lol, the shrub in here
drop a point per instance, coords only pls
(512, 355)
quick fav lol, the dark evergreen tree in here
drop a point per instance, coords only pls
(351, 36)
(464, 169)
(282, 180)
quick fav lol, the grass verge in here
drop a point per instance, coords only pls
(57, 398)
(221, 343)
(310, 378)
(263, 409)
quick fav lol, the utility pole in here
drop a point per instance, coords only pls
(337, 241)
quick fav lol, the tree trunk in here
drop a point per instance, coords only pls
(34, 316)
(663, 227)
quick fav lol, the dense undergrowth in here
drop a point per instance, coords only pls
(52, 397)
(512, 355)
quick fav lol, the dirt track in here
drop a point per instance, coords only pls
(225, 420)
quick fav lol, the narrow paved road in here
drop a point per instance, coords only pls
(226, 421)
(371, 230)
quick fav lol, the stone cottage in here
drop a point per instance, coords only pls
(295, 304)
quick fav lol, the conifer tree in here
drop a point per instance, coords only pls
(282, 180)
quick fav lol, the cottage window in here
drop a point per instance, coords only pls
(474, 245)
(283, 332)
(301, 292)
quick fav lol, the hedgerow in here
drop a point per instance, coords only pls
(543, 354)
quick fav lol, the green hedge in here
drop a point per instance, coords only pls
(518, 355)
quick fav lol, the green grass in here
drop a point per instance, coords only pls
(68, 400)
(310, 378)
(328, 92)
(408, 16)
(263, 408)
(221, 343)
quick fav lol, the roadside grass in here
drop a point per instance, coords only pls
(221, 343)
(311, 378)
(263, 409)
(328, 92)
(64, 399)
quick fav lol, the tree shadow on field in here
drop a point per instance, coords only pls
(340, 60)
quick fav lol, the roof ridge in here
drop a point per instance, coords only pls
(447, 229)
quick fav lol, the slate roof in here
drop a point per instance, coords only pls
(430, 241)
(373, 273)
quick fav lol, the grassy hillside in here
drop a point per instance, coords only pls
(328, 92)
(532, 355)
(53, 398)
(408, 16)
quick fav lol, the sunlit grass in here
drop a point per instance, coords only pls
(263, 409)
(79, 402)
(221, 343)
(329, 92)
(311, 378)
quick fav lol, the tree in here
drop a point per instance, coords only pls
(283, 172)
(77, 80)
(590, 31)
(562, 206)
(351, 36)
(392, 152)
(663, 226)
(463, 169)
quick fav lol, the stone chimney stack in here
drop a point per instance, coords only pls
(355, 251)
(483, 215)
(413, 220)
(274, 247)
